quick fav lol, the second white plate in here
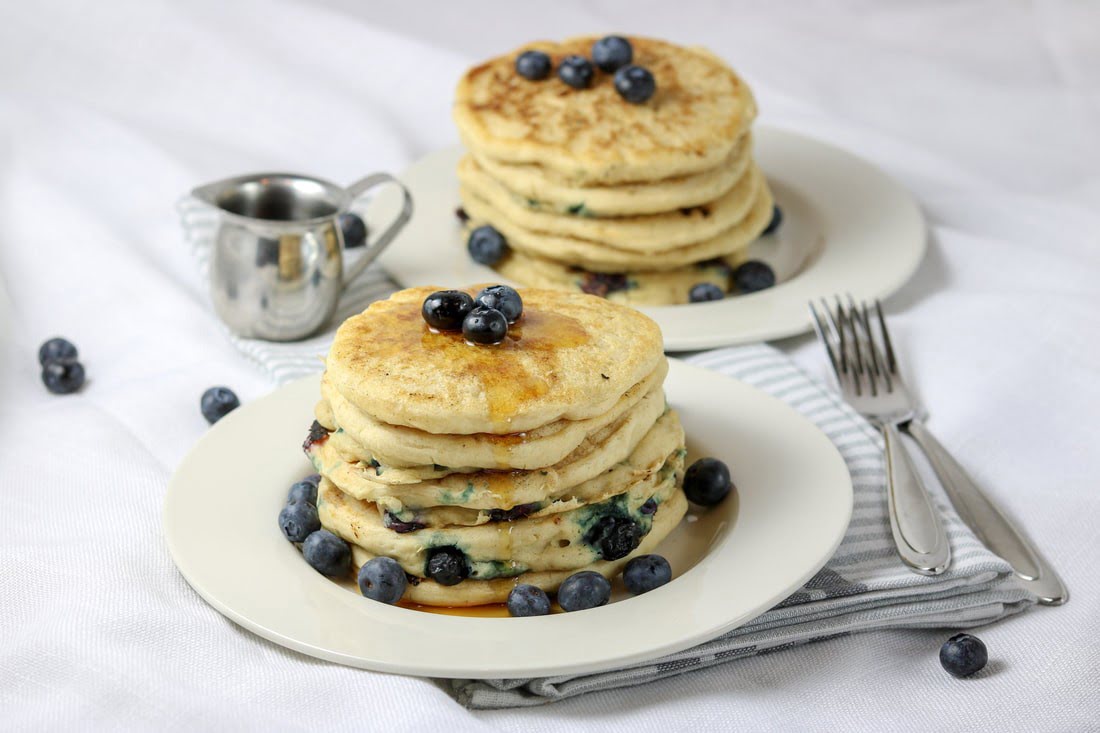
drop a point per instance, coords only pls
(847, 228)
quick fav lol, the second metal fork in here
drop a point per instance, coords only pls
(867, 375)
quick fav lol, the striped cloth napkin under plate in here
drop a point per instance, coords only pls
(864, 586)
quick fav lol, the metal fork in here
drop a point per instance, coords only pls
(868, 380)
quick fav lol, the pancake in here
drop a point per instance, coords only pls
(601, 257)
(542, 189)
(593, 136)
(597, 489)
(569, 357)
(544, 446)
(562, 541)
(480, 592)
(669, 287)
(645, 234)
(483, 491)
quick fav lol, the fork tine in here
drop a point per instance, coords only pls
(838, 333)
(859, 346)
(891, 362)
(876, 361)
(847, 343)
(819, 329)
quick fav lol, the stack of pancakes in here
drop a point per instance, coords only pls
(550, 453)
(634, 202)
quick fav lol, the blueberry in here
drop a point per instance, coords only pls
(586, 589)
(444, 310)
(533, 65)
(528, 600)
(299, 520)
(303, 491)
(485, 326)
(447, 566)
(56, 349)
(646, 572)
(313, 478)
(318, 433)
(707, 481)
(326, 553)
(217, 402)
(614, 536)
(486, 245)
(392, 521)
(752, 276)
(650, 506)
(703, 292)
(382, 579)
(963, 654)
(354, 229)
(777, 219)
(63, 376)
(611, 52)
(576, 71)
(504, 299)
(635, 84)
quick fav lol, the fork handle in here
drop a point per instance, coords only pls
(987, 521)
(916, 526)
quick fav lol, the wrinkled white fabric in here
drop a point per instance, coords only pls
(987, 111)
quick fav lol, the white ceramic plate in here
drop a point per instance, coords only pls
(730, 563)
(847, 228)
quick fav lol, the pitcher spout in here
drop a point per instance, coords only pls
(209, 193)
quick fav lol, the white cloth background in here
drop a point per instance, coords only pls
(988, 112)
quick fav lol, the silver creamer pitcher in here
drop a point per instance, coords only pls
(277, 264)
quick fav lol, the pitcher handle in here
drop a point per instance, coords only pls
(375, 248)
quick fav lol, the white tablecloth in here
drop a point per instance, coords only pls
(988, 112)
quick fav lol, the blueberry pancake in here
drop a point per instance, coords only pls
(568, 359)
(504, 489)
(642, 233)
(700, 110)
(755, 212)
(542, 190)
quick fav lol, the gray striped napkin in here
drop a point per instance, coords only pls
(863, 587)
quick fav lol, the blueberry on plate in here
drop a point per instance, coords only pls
(707, 482)
(635, 84)
(614, 537)
(382, 579)
(447, 566)
(63, 376)
(703, 292)
(217, 402)
(303, 491)
(752, 276)
(612, 52)
(326, 553)
(445, 310)
(646, 572)
(313, 478)
(298, 521)
(504, 299)
(586, 589)
(486, 246)
(354, 230)
(963, 654)
(56, 349)
(533, 65)
(576, 71)
(777, 219)
(528, 600)
(485, 326)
